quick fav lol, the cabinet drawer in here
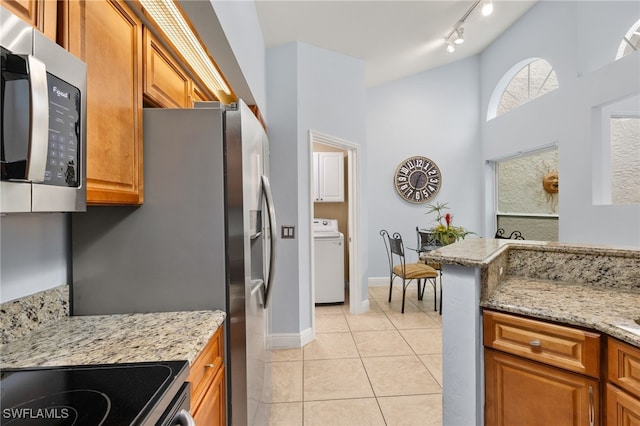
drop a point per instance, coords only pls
(624, 366)
(204, 368)
(564, 347)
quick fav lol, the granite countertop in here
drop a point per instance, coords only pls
(590, 286)
(481, 252)
(105, 339)
(608, 310)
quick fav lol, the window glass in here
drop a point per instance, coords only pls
(527, 195)
(521, 186)
(535, 79)
(630, 42)
(625, 160)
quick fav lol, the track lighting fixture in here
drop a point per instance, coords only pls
(487, 7)
(456, 36)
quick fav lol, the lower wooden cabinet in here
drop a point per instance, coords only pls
(211, 411)
(623, 389)
(207, 378)
(539, 373)
(523, 392)
(622, 408)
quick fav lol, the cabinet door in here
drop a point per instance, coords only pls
(41, 14)
(330, 177)
(211, 411)
(624, 366)
(165, 83)
(316, 177)
(622, 408)
(522, 392)
(197, 94)
(108, 37)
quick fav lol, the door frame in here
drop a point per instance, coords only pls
(356, 306)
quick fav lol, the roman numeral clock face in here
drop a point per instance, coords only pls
(418, 179)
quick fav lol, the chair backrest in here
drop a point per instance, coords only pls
(515, 235)
(395, 248)
(426, 240)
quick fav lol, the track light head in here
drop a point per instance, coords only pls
(487, 7)
(458, 36)
(451, 47)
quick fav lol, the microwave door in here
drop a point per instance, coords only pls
(25, 118)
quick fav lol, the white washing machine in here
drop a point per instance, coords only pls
(328, 261)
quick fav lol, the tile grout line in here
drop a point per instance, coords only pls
(349, 328)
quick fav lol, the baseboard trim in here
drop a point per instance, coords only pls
(362, 308)
(378, 281)
(290, 340)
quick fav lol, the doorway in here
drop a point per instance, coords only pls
(347, 212)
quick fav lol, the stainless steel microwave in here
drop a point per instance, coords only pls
(43, 127)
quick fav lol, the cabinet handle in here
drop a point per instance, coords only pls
(212, 365)
(535, 343)
(591, 407)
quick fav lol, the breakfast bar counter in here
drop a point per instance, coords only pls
(589, 286)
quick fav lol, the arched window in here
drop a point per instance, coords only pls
(525, 81)
(630, 42)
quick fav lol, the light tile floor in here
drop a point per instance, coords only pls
(378, 368)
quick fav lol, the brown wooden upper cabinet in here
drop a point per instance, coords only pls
(165, 82)
(127, 67)
(197, 94)
(108, 37)
(41, 14)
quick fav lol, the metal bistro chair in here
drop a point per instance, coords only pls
(515, 235)
(427, 241)
(407, 272)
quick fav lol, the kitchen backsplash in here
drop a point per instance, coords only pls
(20, 317)
(608, 268)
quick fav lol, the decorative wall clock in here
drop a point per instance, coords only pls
(417, 179)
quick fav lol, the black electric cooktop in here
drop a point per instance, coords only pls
(85, 395)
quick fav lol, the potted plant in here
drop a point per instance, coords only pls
(444, 232)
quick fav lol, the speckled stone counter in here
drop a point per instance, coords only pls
(608, 310)
(22, 316)
(590, 286)
(482, 251)
(114, 338)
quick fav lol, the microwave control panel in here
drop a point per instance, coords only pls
(64, 134)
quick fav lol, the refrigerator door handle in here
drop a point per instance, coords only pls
(266, 189)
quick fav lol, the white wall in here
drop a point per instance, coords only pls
(239, 20)
(576, 39)
(232, 34)
(282, 98)
(434, 114)
(308, 88)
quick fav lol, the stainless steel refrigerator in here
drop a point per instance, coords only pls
(203, 239)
